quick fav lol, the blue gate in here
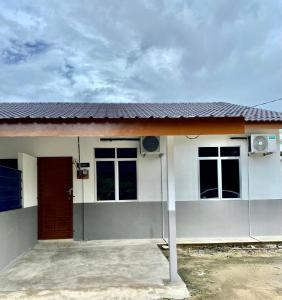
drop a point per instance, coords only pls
(10, 189)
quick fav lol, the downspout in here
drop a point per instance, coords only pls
(249, 202)
(249, 196)
(82, 190)
(162, 196)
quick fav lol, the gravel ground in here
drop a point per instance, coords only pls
(232, 272)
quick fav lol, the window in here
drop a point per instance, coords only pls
(127, 180)
(229, 151)
(9, 163)
(208, 152)
(116, 173)
(126, 152)
(219, 169)
(105, 153)
(105, 173)
(208, 179)
(10, 187)
(230, 178)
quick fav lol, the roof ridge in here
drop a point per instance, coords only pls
(145, 103)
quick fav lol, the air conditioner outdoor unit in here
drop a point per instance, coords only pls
(150, 145)
(263, 143)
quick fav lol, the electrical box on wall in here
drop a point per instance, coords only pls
(83, 165)
(82, 172)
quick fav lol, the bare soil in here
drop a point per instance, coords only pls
(232, 272)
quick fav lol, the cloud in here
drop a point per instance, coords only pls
(165, 50)
(19, 51)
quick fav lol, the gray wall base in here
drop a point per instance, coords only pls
(78, 232)
(123, 220)
(204, 218)
(209, 218)
(18, 233)
(227, 218)
(266, 217)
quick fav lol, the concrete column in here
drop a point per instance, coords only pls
(171, 210)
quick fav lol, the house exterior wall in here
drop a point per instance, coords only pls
(149, 183)
(148, 170)
(124, 220)
(260, 182)
(28, 165)
(227, 218)
(256, 182)
(18, 233)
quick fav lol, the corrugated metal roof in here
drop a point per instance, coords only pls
(134, 110)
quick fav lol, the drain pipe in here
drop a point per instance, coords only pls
(162, 196)
(249, 196)
(249, 201)
(82, 190)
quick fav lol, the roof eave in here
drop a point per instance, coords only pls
(122, 127)
(58, 120)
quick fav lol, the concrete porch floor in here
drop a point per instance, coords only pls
(131, 269)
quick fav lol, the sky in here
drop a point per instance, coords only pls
(141, 51)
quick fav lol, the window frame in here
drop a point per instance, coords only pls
(219, 172)
(116, 160)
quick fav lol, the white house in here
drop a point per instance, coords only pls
(114, 171)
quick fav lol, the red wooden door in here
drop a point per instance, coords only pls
(55, 200)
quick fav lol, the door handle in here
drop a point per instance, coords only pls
(70, 192)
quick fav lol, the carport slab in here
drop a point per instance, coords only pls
(91, 270)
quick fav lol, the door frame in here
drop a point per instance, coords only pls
(38, 198)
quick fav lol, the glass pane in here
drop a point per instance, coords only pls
(105, 172)
(208, 151)
(9, 163)
(208, 179)
(127, 180)
(127, 152)
(104, 152)
(230, 178)
(230, 151)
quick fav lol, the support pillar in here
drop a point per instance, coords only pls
(171, 210)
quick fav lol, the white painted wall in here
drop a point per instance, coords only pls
(42, 146)
(187, 164)
(148, 170)
(265, 172)
(28, 165)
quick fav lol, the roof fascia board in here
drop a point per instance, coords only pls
(125, 127)
(256, 126)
